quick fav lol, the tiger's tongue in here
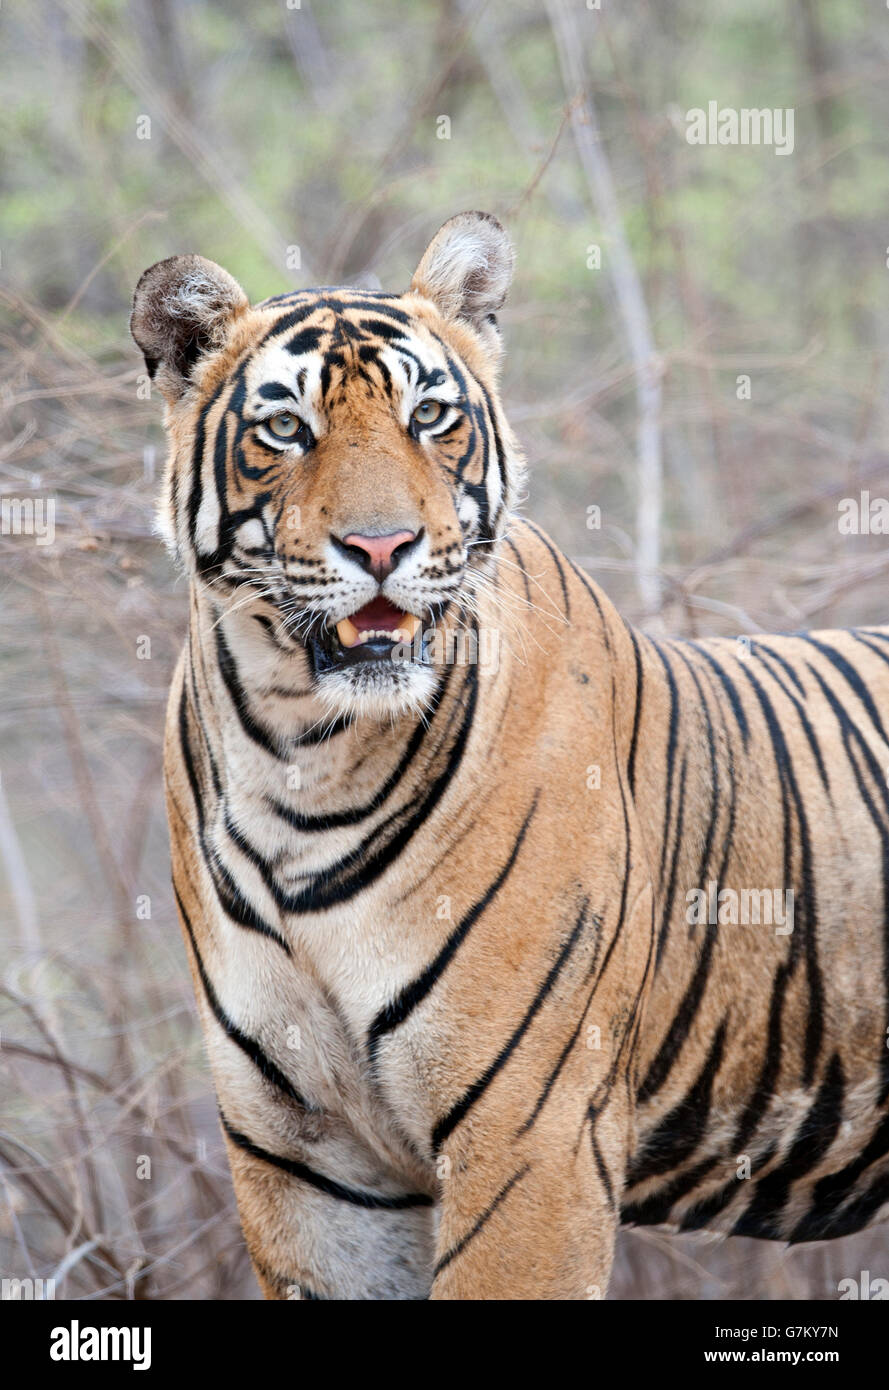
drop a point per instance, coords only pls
(378, 616)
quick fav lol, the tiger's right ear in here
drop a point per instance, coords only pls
(183, 307)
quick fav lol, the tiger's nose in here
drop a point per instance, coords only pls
(377, 554)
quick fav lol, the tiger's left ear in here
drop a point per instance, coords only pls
(466, 270)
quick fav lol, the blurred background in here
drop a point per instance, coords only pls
(697, 368)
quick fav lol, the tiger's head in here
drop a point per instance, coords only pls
(339, 460)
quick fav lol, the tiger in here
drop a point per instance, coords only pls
(509, 923)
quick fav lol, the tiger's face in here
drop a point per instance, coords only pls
(339, 461)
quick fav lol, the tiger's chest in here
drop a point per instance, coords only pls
(345, 950)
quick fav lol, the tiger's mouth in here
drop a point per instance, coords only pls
(377, 633)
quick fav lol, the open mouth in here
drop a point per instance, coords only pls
(369, 636)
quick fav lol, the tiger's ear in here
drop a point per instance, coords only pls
(183, 307)
(467, 268)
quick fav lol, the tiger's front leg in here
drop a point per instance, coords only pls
(327, 1213)
(540, 1224)
(532, 1162)
(311, 1237)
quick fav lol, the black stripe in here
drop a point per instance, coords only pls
(275, 391)
(545, 541)
(476, 415)
(249, 1046)
(674, 865)
(766, 1082)
(759, 646)
(395, 1013)
(488, 1212)
(883, 656)
(730, 689)
(327, 1185)
(569, 1046)
(629, 1036)
(862, 1210)
(683, 1019)
(361, 866)
(498, 445)
(628, 863)
(834, 1189)
(197, 463)
(481, 416)
(809, 914)
(335, 819)
(380, 328)
(853, 679)
(252, 727)
(851, 731)
(566, 1050)
(229, 895)
(307, 340)
(728, 835)
(520, 562)
(878, 634)
(714, 765)
(591, 594)
(228, 670)
(761, 651)
(604, 1175)
(680, 1131)
(703, 1213)
(627, 1044)
(655, 1210)
(672, 736)
(457, 1112)
(631, 764)
(224, 526)
(816, 1134)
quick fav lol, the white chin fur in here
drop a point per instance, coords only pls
(387, 692)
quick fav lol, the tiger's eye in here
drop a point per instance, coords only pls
(284, 425)
(428, 412)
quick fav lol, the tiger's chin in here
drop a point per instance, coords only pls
(374, 663)
(393, 690)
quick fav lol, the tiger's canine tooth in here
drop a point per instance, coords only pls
(408, 629)
(347, 632)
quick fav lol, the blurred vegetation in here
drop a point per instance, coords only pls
(317, 128)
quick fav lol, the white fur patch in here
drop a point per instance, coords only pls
(467, 267)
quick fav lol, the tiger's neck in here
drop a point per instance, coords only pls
(273, 733)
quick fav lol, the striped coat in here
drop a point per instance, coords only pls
(541, 926)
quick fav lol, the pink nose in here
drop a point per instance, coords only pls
(378, 554)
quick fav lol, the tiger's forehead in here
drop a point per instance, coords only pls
(319, 345)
